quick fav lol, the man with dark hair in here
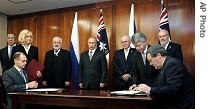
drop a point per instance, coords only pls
(173, 87)
(6, 59)
(16, 79)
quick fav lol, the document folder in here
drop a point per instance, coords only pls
(32, 69)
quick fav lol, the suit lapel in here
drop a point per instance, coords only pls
(94, 55)
(19, 75)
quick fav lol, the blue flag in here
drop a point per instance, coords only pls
(102, 40)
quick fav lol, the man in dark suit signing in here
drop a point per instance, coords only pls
(57, 72)
(16, 79)
(122, 62)
(141, 72)
(173, 49)
(92, 68)
(173, 87)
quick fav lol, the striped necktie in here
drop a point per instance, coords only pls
(21, 72)
(143, 57)
(90, 54)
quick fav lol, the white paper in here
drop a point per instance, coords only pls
(125, 92)
(43, 90)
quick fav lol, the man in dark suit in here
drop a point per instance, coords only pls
(16, 79)
(6, 52)
(6, 59)
(173, 87)
(57, 72)
(142, 72)
(173, 49)
(92, 68)
(122, 62)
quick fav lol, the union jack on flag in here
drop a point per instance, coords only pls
(164, 23)
(102, 36)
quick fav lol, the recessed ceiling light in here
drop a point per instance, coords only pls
(18, 1)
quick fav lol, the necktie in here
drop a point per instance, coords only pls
(126, 53)
(143, 57)
(90, 55)
(21, 72)
(10, 52)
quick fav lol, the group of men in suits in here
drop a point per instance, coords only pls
(57, 65)
(133, 67)
(156, 70)
(136, 69)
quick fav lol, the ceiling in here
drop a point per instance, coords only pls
(16, 7)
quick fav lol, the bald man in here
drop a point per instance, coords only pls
(92, 68)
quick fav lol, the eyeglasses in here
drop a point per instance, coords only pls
(150, 59)
(163, 36)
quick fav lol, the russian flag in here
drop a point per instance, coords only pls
(132, 25)
(74, 53)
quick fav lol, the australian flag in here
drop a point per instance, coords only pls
(102, 40)
(164, 24)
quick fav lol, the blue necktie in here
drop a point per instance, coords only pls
(10, 52)
(21, 72)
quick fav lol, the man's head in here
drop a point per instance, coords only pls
(92, 43)
(139, 40)
(20, 60)
(125, 41)
(57, 43)
(156, 55)
(11, 39)
(163, 37)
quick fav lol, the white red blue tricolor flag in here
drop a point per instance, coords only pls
(74, 53)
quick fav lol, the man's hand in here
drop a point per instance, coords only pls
(38, 74)
(133, 87)
(44, 83)
(81, 85)
(67, 83)
(126, 77)
(33, 84)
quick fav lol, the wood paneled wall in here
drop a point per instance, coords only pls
(46, 25)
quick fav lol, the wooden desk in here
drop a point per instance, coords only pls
(81, 98)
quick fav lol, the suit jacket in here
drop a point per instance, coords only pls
(32, 54)
(6, 63)
(141, 73)
(122, 66)
(174, 87)
(92, 72)
(57, 68)
(14, 82)
(174, 50)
